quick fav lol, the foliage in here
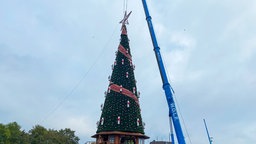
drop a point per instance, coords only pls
(12, 134)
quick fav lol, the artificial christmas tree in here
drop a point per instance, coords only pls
(121, 121)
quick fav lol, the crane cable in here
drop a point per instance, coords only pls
(177, 103)
(183, 121)
(125, 4)
(75, 87)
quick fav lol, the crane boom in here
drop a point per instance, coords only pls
(166, 85)
(208, 135)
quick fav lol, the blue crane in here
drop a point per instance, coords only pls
(208, 135)
(166, 85)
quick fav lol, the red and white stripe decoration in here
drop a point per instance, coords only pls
(128, 104)
(124, 52)
(118, 120)
(126, 92)
(134, 90)
(127, 74)
(121, 88)
(138, 121)
(102, 121)
(115, 63)
(122, 61)
(109, 89)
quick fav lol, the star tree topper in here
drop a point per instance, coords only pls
(124, 21)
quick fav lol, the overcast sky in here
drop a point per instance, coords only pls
(56, 56)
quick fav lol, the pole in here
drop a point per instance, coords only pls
(209, 138)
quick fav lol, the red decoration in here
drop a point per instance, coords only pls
(127, 74)
(124, 52)
(138, 121)
(108, 89)
(121, 88)
(124, 32)
(118, 120)
(122, 61)
(126, 92)
(128, 103)
(130, 63)
(102, 121)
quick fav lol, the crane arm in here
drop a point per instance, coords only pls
(208, 135)
(166, 85)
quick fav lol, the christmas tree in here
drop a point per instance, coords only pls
(121, 110)
(121, 113)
